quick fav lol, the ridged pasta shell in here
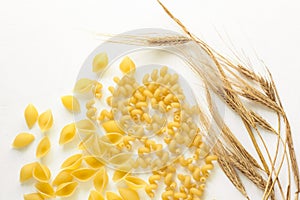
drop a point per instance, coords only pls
(100, 61)
(120, 159)
(45, 120)
(119, 175)
(41, 172)
(33, 196)
(31, 115)
(94, 195)
(127, 65)
(112, 196)
(26, 172)
(73, 162)
(62, 177)
(45, 189)
(84, 174)
(111, 126)
(93, 161)
(85, 126)
(23, 140)
(135, 182)
(128, 194)
(67, 134)
(70, 103)
(101, 180)
(66, 189)
(83, 85)
(43, 147)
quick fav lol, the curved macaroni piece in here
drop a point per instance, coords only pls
(66, 189)
(100, 61)
(45, 190)
(210, 158)
(127, 65)
(149, 189)
(41, 173)
(62, 177)
(70, 103)
(119, 175)
(101, 180)
(73, 162)
(112, 126)
(83, 85)
(31, 115)
(26, 172)
(43, 147)
(94, 195)
(135, 182)
(45, 120)
(112, 196)
(167, 195)
(83, 174)
(67, 134)
(85, 126)
(128, 194)
(33, 196)
(23, 140)
(196, 191)
(206, 168)
(180, 195)
(169, 179)
(93, 161)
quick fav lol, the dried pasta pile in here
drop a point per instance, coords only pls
(148, 130)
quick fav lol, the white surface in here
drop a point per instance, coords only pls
(44, 43)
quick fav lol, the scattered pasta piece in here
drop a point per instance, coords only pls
(43, 147)
(112, 196)
(62, 177)
(41, 173)
(33, 196)
(93, 161)
(45, 121)
(120, 159)
(73, 162)
(31, 115)
(119, 175)
(66, 189)
(129, 194)
(71, 103)
(85, 126)
(100, 62)
(45, 189)
(83, 85)
(26, 172)
(67, 134)
(101, 180)
(94, 195)
(127, 65)
(83, 174)
(114, 138)
(112, 127)
(135, 182)
(23, 140)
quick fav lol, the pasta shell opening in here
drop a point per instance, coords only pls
(83, 174)
(45, 121)
(71, 103)
(73, 162)
(62, 177)
(66, 189)
(67, 134)
(26, 172)
(100, 62)
(83, 85)
(101, 180)
(41, 173)
(43, 147)
(128, 194)
(94, 195)
(45, 189)
(135, 182)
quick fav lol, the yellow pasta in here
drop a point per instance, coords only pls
(101, 180)
(196, 192)
(85, 126)
(23, 140)
(73, 162)
(180, 195)
(45, 189)
(33, 196)
(206, 168)
(149, 189)
(210, 158)
(43, 147)
(26, 172)
(100, 61)
(114, 138)
(62, 177)
(31, 115)
(71, 103)
(83, 174)
(94, 195)
(128, 194)
(93, 161)
(135, 182)
(45, 121)
(41, 172)
(167, 194)
(127, 65)
(66, 189)
(112, 196)
(119, 175)
(120, 159)
(112, 126)
(67, 134)
(83, 85)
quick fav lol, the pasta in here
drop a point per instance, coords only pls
(45, 190)
(43, 147)
(100, 61)
(114, 138)
(85, 126)
(120, 159)
(101, 180)
(23, 140)
(83, 174)
(112, 196)
(73, 162)
(67, 134)
(128, 194)
(41, 172)
(93, 161)
(66, 189)
(83, 85)
(112, 126)
(62, 177)
(94, 195)
(26, 172)
(71, 103)
(45, 121)
(31, 115)
(119, 175)
(33, 196)
(127, 65)
(135, 182)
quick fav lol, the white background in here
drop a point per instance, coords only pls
(44, 43)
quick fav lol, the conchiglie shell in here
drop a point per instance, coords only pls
(33, 196)
(101, 180)
(71, 103)
(91, 144)
(45, 120)
(120, 158)
(100, 62)
(67, 134)
(83, 85)
(41, 172)
(62, 177)
(127, 65)
(128, 194)
(93, 161)
(66, 189)
(45, 189)
(135, 182)
(31, 115)
(73, 162)
(43, 147)
(94, 195)
(114, 138)
(119, 175)
(112, 127)
(26, 172)
(83, 174)
(23, 140)
(85, 126)
(112, 196)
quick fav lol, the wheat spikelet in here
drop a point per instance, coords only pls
(262, 122)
